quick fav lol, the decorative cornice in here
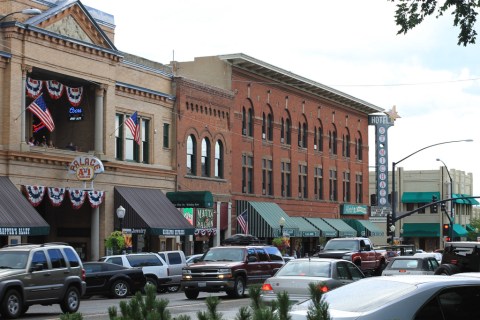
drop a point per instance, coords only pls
(204, 87)
(144, 92)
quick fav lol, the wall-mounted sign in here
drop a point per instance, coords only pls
(85, 168)
(354, 209)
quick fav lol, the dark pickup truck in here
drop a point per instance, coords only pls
(360, 251)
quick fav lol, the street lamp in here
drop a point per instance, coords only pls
(394, 215)
(120, 216)
(281, 222)
(30, 12)
(450, 203)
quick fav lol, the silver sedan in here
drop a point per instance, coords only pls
(295, 276)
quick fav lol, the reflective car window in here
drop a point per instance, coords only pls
(262, 255)
(460, 303)
(305, 268)
(342, 271)
(404, 264)
(71, 257)
(56, 258)
(354, 272)
(174, 258)
(274, 253)
(39, 257)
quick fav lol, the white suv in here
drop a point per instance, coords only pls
(154, 267)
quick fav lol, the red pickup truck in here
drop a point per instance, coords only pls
(357, 250)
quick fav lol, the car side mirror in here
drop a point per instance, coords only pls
(36, 267)
(252, 259)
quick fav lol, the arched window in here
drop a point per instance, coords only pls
(244, 122)
(191, 155)
(250, 122)
(300, 135)
(205, 157)
(358, 148)
(282, 132)
(270, 127)
(264, 127)
(219, 159)
(320, 138)
(288, 131)
(305, 135)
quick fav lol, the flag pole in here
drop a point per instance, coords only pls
(110, 135)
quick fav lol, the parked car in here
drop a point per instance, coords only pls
(153, 266)
(405, 265)
(230, 269)
(194, 258)
(295, 276)
(460, 256)
(46, 274)
(436, 255)
(112, 280)
(412, 297)
(175, 261)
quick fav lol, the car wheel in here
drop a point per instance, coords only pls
(71, 301)
(173, 288)
(12, 305)
(191, 294)
(238, 289)
(152, 282)
(447, 269)
(120, 289)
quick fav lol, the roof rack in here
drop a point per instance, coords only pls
(17, 244)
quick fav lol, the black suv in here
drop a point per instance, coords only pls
(230, 269)
(43, 274)
(462, 256)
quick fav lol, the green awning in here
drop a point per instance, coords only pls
(469, 201)
(419, 197)
(344, 230)
(470, 228)
(306, 229)
(365, 228)
(264, 219)
(191, 199)
(459, 231)
(326, 230)
(421, 230)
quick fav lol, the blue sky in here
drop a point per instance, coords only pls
(349, 45)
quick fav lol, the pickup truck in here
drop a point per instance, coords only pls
(360, 251)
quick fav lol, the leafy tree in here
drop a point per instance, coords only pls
(411, 13)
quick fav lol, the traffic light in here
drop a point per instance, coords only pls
(443, 207)
(446, 230)
(434, 206)
(447, 239)
(389, 223)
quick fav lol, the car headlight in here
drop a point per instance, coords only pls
(224, 273)
(347, 257)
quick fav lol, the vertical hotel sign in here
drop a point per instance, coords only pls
(381, 123)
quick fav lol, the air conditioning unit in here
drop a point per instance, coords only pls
(244, 131)
(283, 193)
(244, 189)
(282, 140)
(300, 144)
(299, 194)
(315, 147)
(316, 197)
(264, 191)
(263, 136)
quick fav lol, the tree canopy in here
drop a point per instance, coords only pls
(411, 13)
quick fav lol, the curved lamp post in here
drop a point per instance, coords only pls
(120, 216)
(394, 215)
(281, 222)
(30, 12)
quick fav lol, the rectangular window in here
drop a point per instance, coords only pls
(166, 135)
(333, 185)
(302, 181)
(346, 186)
(267, 183)
(247, 174)
(286, 179)
(358, 188)
(126, 148)
(318, 183)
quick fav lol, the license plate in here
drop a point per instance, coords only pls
(202, 284)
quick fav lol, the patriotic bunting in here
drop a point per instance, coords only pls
(55, 89)
(34, 87)
(56, 195)
(34, 194)
(77, 197)
(96, 198)
(74, 95)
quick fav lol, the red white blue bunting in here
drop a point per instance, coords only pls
(96, 198)
(56, 195)
(34, 194)
(55, 89)
(34, 87)
(75, 95)
(77, 197)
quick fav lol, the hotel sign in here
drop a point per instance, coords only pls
(85, 168)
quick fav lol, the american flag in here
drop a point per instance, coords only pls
(243, 221)
(39, 108)
(134, 126)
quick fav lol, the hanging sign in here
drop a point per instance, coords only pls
(86, 168)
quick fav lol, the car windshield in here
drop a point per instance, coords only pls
(374, 292)
(341, 245)
(13, 260)
(224, 254)
(305, 268)
(405, 264)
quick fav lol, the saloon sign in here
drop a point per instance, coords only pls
(86, 168)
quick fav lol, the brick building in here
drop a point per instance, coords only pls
(299, 149)
(67, 57)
